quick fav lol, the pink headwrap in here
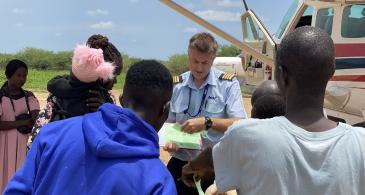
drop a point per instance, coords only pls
(88, 64)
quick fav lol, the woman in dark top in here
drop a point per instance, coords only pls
(94, 69)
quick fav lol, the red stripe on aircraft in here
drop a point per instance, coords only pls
(353, 78)
(350, 50)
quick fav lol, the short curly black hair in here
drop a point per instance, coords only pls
(148, 74)
(308, 55)
(268, 106)
(148, 84)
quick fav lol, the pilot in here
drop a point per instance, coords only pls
(204, 98)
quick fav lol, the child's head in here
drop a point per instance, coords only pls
(16, 72)
(305, 61)
(98, 59)
(268, 106)
(110, 52)
(148, 89)
(268, 87)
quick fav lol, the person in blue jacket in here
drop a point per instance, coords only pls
(112, 151)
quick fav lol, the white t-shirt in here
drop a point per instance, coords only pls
(273, 156)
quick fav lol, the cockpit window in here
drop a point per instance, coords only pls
(288, 16)
(353, 21)
(324, 19)
(306, 18)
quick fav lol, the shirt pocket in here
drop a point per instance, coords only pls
(214, 107)
(178, 108)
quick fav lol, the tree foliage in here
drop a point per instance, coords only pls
(40, 59)
(128, 61)
(228, 51)
(177, 63)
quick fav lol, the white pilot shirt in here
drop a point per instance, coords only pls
(223, 100)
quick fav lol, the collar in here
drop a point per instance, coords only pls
(211, 80)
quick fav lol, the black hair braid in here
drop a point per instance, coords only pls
(110, 52)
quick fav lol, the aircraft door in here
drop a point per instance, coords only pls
(256, 36)
(336, 96)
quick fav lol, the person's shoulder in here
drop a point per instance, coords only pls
(253, 128)
(29, 93)
(178, 80)
(223, 76)
(61, 127)
(359, 131)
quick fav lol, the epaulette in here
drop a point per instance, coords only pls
(226, 76)
(177, 79)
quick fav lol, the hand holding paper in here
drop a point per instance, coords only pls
(193, 125)
(172, 133)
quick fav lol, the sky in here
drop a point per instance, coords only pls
(140, 28)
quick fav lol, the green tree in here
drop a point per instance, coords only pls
(177, 63)
(128, 61)
(61, 60)
(35, 58)
(228, 51)
(4, 59)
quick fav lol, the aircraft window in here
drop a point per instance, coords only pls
(353, 21)
(254, 33)
(288, 16)
(254, 36)
(306, 19)
(324, 19)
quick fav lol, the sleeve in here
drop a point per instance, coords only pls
(168, 187)
(23, 180)
(226, 160)
(235, 107)
(33, 103)
(172, 117)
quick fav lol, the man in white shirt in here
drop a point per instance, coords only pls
(301, 152)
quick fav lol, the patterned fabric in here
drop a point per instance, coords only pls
(43, 118)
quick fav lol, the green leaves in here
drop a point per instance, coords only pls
(40, 59)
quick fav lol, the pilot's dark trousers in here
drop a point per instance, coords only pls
(175, 166)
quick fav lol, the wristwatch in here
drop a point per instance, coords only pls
(208, 122)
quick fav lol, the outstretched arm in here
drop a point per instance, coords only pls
(201, 166)
(198, 124)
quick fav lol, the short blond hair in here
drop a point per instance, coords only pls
(204, 42)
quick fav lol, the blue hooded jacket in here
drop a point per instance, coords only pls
(111, 151)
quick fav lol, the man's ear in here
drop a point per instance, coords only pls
(282, 78)
(332, 72)
(165, 109)
(285, 76)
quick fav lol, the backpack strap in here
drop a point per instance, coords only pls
(26, 95)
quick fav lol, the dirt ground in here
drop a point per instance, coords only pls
(42, 97)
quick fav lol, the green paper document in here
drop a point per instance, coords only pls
(172, 132)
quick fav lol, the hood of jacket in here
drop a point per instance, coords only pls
(116, 132)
